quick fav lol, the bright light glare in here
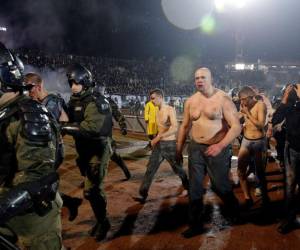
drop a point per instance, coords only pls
(240, 66)
(3, 28)
(222, 5)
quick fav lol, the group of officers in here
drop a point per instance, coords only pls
(31, 146)
(32, 123)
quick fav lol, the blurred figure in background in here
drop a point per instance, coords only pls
(289, 110)
(150, 112)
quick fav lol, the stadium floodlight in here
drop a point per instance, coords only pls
(239, 66)
(2, 28)
(222, 5)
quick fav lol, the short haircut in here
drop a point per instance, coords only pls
(247, 90)
(33, 78)
(157, 92)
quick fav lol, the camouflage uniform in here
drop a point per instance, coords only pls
(93, 144)
(28, 143)
(117, 115)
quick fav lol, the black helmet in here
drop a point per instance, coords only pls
(11, 71)
(100, 88)
(79, 74)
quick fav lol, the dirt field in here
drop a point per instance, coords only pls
(159, 222)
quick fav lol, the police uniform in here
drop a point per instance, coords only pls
(119, 117)
(93, 117)
(28, 141)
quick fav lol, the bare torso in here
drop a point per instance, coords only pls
(206, 114)
(165, 117)
(250, 130)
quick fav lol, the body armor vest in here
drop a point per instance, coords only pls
(77, 108)
(35, 126)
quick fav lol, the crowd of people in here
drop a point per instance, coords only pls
(33, 124)
(136, 77)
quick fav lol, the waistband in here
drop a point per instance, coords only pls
(257, 139)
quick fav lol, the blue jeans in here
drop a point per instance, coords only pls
(162, 150)
(218, 168)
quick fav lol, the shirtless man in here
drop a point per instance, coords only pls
(213, 120)
(254, 143)
(164, 144)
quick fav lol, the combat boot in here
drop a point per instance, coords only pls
(102, 229)
(72, 203)
(120, 162)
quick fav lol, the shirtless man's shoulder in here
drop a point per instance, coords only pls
(193, 97)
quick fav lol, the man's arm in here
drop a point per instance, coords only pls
(89, 127)
(260, 121)
(63, 116)
(231, 117)
(280, 113)
(171, 113)
(183, 129)
(118, 116)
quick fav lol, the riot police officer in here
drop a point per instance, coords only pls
(57, 107)
(119, 117)
(29, 202)
(91, 127)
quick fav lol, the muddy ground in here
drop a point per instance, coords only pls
(159, 222)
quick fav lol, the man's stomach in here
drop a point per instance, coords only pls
(254, 134)
(209, 132)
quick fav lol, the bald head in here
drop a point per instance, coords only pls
(203, 80)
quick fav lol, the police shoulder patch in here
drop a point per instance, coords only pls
(36, 125)
(102, 104)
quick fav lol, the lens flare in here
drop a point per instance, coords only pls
(186, 14)
(208, 24)
(181, 69)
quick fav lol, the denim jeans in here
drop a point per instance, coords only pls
(292, 179)
(162, 150)
(217, 167)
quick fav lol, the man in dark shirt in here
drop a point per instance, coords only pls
(289, 109)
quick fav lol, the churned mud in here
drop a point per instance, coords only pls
(159, 222)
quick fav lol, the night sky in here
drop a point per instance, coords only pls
(139, 29)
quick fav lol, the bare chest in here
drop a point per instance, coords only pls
(211, 110)
(163, 118)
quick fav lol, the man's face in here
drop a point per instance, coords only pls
(76, 88)
(202, 80)
(35, 89)
(245, 99)
(156, 99)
